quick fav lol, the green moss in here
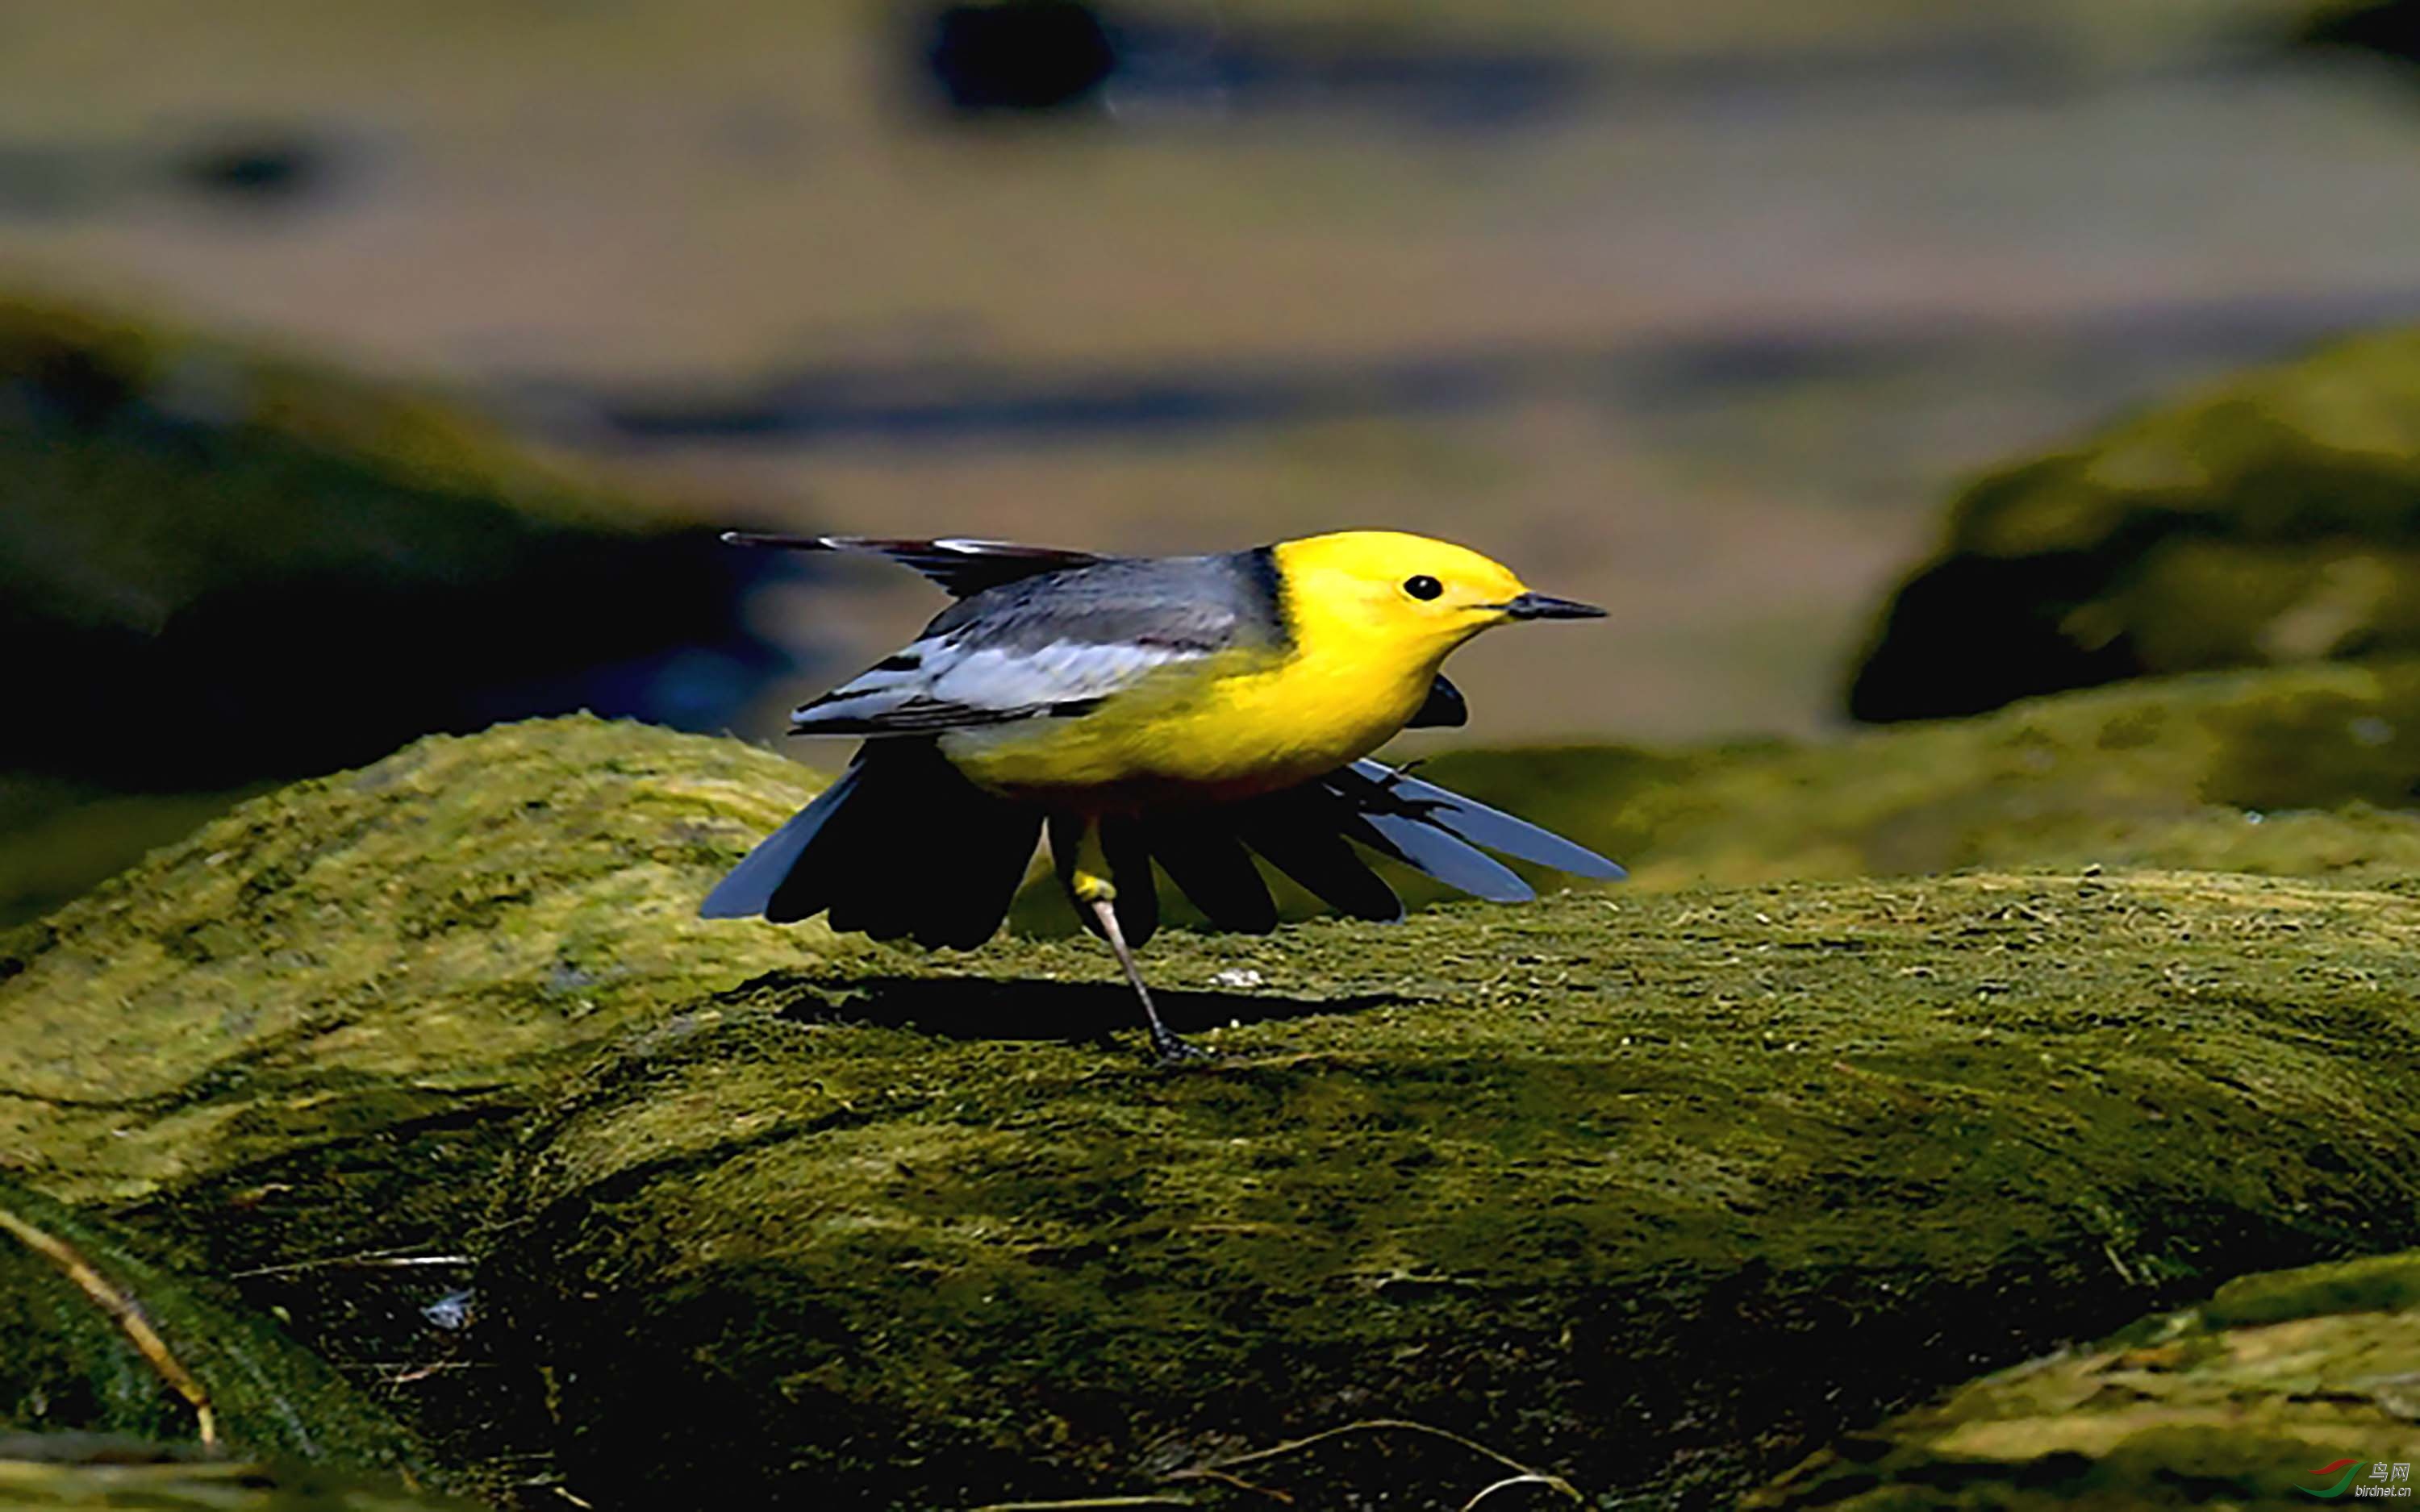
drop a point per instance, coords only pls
(305, 1032)
(58, 839)
(68, 1366)
(2293, 772)
(2237, 1404)
(2272, 519)
(357, 957)
(2385, 1284)
(1603, 1182)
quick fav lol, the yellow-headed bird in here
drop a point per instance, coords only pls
(1171, 709)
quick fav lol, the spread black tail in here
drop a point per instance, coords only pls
(1303, 831)
(901, 846)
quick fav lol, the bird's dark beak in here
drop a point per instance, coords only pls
(1539, 606)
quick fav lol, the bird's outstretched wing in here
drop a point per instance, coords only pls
(962, 566)
(1414, 815)
(1054, 646)
(1302, 831)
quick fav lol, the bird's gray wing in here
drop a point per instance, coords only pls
(961, 565)
(1054, 646)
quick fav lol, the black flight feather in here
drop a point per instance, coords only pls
(900, 846)
(963, 567)
(749, 890)
(1438, 854)
(1212, 869)
(1304, 843)
(1466, 819)
(1137, 903)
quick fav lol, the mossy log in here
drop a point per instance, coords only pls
(2237, 1403)
(2264, 521)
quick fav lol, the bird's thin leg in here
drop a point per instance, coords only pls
(1095, 894)
(1163, 1039)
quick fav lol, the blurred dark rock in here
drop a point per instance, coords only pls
(1019, 55)
(2390, 28)
(2275, 518)
(260, 167)
(1062, 55)
(238, 567)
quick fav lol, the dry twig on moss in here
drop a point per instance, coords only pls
(124, 1311)
(1088, 1503)
(1223, 1470)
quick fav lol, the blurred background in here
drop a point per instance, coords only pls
(368, 370)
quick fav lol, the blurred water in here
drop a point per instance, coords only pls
(1701, 312)
(2105, 357)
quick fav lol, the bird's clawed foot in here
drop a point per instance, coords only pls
(1176, 1052)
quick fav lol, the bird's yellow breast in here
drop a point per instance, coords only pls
(1347, 676)
(1235, 726)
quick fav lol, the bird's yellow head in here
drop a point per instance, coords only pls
(1422, 596)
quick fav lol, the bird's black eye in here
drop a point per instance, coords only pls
(1424, 586)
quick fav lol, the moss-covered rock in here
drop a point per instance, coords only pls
(1648, 1190)
(2239, 1403)
(333, 984)
(2388, 28)
(238, 566)
(409, 951)
(69, 1366)
(295, 1044)
(1603, 1181)
(2306, 771)
(2274, 518)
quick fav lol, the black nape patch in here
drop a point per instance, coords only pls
(900, 663)
(1262, 578)
(1075, 709)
